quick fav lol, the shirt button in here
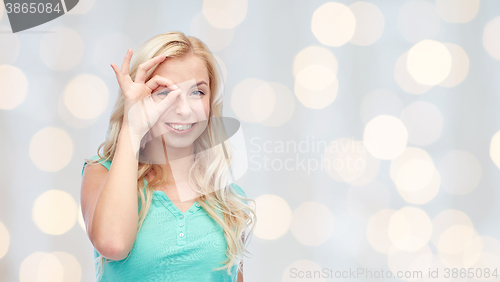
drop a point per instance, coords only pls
(191, 211)
(181, 216)
(181, 224)
(197, 205)
(181, 235)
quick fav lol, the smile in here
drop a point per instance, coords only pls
(181, 127)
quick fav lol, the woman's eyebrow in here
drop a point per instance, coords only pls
(199, 83)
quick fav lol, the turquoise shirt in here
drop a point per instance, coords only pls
(173, 246)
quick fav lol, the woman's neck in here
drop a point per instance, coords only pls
(175, 162)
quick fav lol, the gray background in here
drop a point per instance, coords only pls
(264, 46)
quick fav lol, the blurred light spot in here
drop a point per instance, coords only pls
(369, 23)
(81, 220)
(445, 220)
(459, 66)
(429, 62)
(305, 271)
(377, 231)
(283, 106)
(422, 264)
(385, 137)
(69, 118)
(41, 267)
(315, 77)
(50, 269)
(452, 260)
(418, 20)
(402, 174)
(225, 13)
(9, 45)
(55, 212)
(312, 224)
(253, 100)
(274, 217)
(483, 252)
(415, 175)
(86, 96)
(460, 172)
(425, 194)
(13, 87)
(495, 149)
(424, 122)
(61, 49)
(491, 38)
(51, 149)
(410, 229)
(398, 260)
(29, 267)
(262, 102)
(111, 49)
(346, 160)
(363, 202)
(455, 239)
(72, 269)
(215, 38)
(457, 11)
(315, 55)
(4, 239)
(83, 7)
(409, 154)
(380, 102)
(405, 80)
(316, 86)
(333, 24)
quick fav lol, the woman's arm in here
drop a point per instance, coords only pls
(240, 273)
(109, 201)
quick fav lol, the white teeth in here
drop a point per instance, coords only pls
(180, 127)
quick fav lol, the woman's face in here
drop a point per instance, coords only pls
(186, 119)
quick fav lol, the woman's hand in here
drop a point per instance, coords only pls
(141, 112)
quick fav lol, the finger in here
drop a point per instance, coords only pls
(117, 73)
(115, 69)
(143, 68)
(126, 61)
(158, 81)
(163, 105)
(122, 81)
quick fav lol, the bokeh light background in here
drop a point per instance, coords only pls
(408, 88)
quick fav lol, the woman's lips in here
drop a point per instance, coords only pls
(182, 126)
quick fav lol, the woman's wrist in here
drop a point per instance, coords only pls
(134, 139)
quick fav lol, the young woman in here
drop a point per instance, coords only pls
(156, 203)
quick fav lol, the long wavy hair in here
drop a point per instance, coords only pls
(211, 164)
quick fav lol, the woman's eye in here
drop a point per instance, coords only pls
(198, 91)
(160, 95)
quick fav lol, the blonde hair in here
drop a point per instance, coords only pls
(211, 165)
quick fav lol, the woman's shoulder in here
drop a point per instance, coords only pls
(238, 190)
(106, 163)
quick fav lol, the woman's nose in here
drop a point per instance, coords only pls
(182, 105)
